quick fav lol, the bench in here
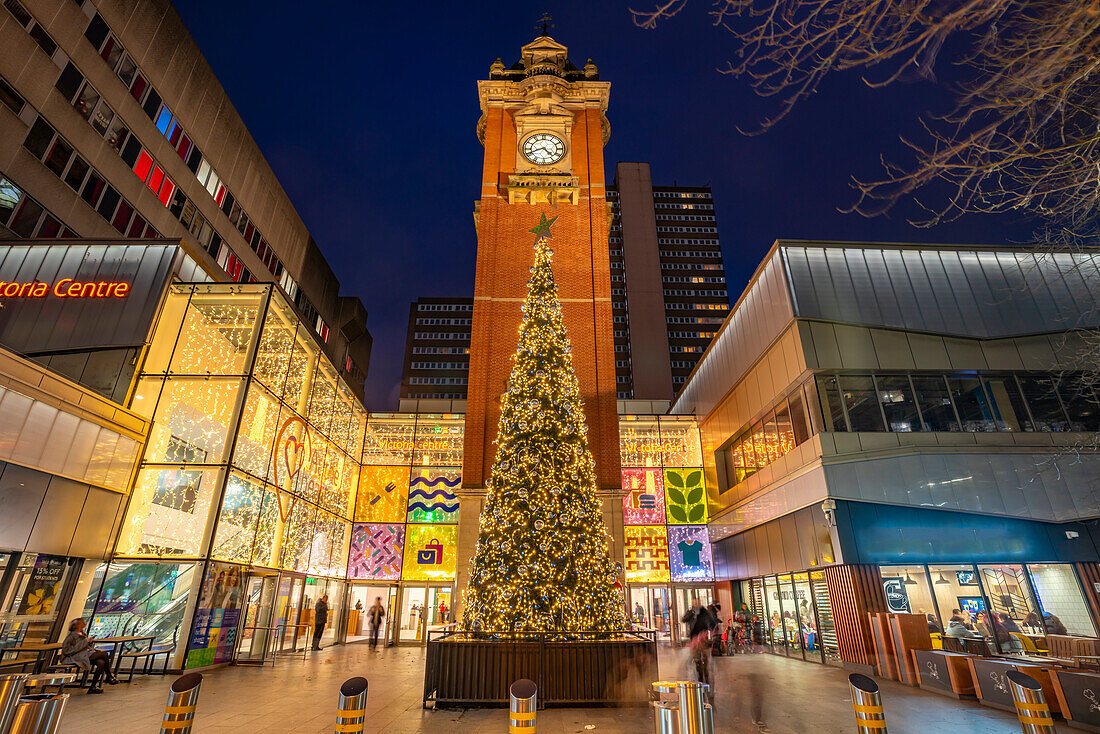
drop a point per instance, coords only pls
(148, 658)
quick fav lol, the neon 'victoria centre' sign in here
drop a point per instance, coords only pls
(65, 288)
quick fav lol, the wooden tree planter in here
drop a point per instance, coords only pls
(465, 670)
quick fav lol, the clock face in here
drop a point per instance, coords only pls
(542, 149)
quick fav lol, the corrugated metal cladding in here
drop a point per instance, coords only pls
(982, 293)
(35, 325)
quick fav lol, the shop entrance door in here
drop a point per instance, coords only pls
(361, 598)
(254, 636)
(288, 612)
(683, 596)
(421, 608)
(650, 606)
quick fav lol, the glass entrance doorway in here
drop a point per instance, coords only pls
(421, 608)
(361, 597)
(255, 637)
(288, 612)
(650, 606)
(683, 598)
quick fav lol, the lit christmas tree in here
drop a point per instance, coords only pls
(542, 562)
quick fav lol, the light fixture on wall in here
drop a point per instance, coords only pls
(942, 580)
(909, 580)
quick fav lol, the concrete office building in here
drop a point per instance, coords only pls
(437, 349)
(895, 428)
(666, 268)
(113, 124)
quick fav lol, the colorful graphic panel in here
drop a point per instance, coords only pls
(644, 503)
(214, 633)
(382, 494)
(432, 497)
(646, 553)
(376, 552)
(430, 553)
(690, 553)
(685, 497)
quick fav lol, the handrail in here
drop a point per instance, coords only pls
(544, 635)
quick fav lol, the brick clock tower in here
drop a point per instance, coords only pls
(544, 129)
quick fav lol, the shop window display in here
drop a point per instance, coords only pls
(376, 552)
(432, 497)
(214, 631)
(383, 493)
(149, 598)
(909, 591)
(685, 496)
(689, 550)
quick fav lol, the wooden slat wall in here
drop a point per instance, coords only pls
(1090, 576)
(855, 590)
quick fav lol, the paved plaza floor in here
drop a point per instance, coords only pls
(788, 696)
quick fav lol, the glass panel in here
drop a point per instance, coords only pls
(959, 598)
(935, 403)
(389, 439)
(439, 439)
(169, 511)
(217, 331)
(909, 591)
(639, 441)
(30, 599)
(261, 420)
(321, 397)
(783, 428)
(799, 420)
(646, 553)
(690, 552)
(382, 495)
(861, 401)
(680, 441)
(192, 421)
(771, 438)
(1042, 400)
(430, 552)
(832, 411)
(826, 628)
(1062, 602)
(787, 599)
(1011, 603)
(759, 444)
(413, 600)
(644, 502)
(760, 619)
(898, 404)
(376, 551)
(649, 608)
(972, 404)
(804, 616)
(685, 496)
(773, 616)
(246, 522)
(362, 600)
(1008, 403)
(1079, 399)
(148, 598)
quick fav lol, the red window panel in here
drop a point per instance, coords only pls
(174, 132)
(150, 233)
(220, 196)
(108, 47)
(166, 191)
(156, 178)
(122, 216)
(184, 146)
(248, 232)
(137, 227)
(50, 227)
(138, 87)
(143, 165)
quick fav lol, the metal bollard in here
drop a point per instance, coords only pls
(867, 704)
(522, 708)
(693, 708)
(666, 710)
(39, 713)
(351, 706)
(1031, 705)
(11, 688)
(179, 713)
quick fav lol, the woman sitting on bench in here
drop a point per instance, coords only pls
(77, 650)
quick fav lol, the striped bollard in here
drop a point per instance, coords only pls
(1031, 706)
(183, 696)
(351, 707)
(523, 703)
(867, 705)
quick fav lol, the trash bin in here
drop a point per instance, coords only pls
(39, 713)
(11, 688)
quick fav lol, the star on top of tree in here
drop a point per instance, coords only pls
(542, 229)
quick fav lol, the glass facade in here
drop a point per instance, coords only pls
(791, 615)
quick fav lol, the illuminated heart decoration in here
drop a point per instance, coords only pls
(295, 457)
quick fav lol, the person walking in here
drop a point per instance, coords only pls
(375, 615)
(320, 619)
(700, 622)
(77, 649)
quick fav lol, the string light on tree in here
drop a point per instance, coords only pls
(541, 563)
